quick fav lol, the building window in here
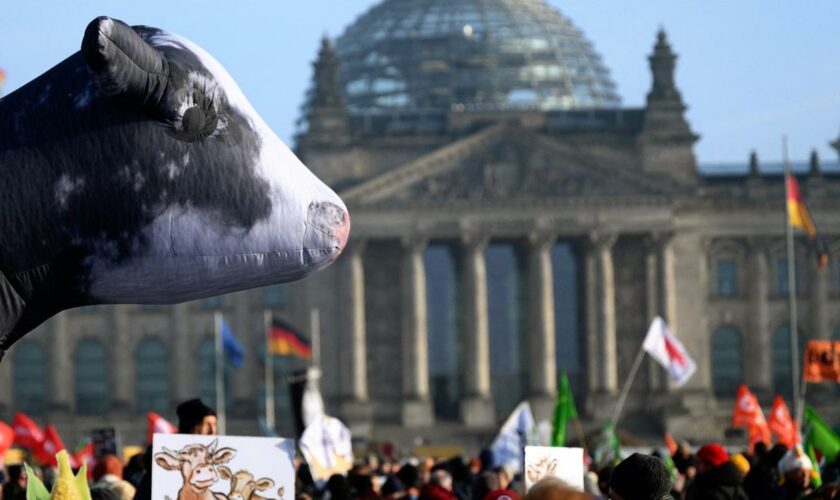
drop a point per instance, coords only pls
(274, 296)
(782, 277)
(444, 346)
(570, 353)
(781, 361)
(727, 355)
(727, 278)
(92, 394)
(505, 293)
(152, 376)
(206, 366)
(29, 385)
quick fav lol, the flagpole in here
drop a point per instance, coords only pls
(220, 369)
(269, 373)
(315, 329)
(791, 278)
(626, 389)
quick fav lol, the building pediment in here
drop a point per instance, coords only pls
(508, 164)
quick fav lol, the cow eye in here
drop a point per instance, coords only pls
(197, 122)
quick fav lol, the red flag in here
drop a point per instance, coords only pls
(781, 424)
(84, 455)
(7, 438)
(158, 425)
(748, 414)
(27, 432)
(51, 445)
(670, 443)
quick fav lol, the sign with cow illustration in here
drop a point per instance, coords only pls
(189, 466)
(136, 171)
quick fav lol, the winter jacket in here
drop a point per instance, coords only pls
(721, 483)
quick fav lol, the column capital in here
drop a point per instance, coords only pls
(657, 240)
(758, 243)
(356, 246)
(415, 242)
(540, 239)
(475, 240)
(601, 240)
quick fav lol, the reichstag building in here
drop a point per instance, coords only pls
(511, 221)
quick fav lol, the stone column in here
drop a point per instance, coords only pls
(60, 357)
(248, 328)
(603, 245)
(541, 336)
(121, 362)
(355, 405)
(182, 367)
(660, 295)
(477, 407)
(416, 404)
(757, 343)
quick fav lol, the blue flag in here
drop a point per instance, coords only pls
(233, 349)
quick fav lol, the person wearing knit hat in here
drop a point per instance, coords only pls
(795, 469)
(717, 477)
(741, 463)
(194, 417)
(640, 477)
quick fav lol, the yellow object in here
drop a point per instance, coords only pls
(741, 463)
(130, 451)
(66, 486)
(13, 456)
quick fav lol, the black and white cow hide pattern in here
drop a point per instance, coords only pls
(135, 171)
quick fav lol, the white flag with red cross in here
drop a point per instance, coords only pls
(663, 345)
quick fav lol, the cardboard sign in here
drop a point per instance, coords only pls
(822, 361)
(565, 464)
(222, 466)
(105, 442)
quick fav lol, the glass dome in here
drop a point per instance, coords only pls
(441, 55)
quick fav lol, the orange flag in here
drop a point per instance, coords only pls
(748, 414)
(670, 443)
(781, 424)
(821, 361)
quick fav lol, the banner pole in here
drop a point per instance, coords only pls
(269, 373)
(619, 406)
(220, 370)
(791, 278)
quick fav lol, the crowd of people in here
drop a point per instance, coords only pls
(709, 472)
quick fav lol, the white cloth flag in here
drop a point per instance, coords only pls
(327, 447)
(509, 446)
(663, 345)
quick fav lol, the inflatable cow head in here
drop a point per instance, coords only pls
(135, 171)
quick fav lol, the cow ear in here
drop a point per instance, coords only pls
(264, 484)
(223, 455)
(167, 461)
(225, 472)
(123, 64)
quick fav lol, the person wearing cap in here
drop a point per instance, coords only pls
(717, 477)
(194, 417)
(795, 470)
(640, 477)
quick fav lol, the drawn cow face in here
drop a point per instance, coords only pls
(197, 463)
(243, 486)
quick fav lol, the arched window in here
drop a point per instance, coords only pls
(505, 291)
(92, 392)
(727, 356)
(150, 360)
(29, 385)
(206, 365)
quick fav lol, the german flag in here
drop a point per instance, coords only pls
(800, 218)
(286, 341)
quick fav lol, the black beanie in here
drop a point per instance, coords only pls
(191, 413)
(641, 477)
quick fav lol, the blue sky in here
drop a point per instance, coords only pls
(750, 71)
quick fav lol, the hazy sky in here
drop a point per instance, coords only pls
(750, 71)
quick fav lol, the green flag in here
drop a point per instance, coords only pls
(819, 435)
(816, 474)
(564, 410)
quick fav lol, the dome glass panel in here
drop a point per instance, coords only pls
(441, 55)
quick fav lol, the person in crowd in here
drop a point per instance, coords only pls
(502, 495)
(439, 486)
(338, 487)
(764, 475)
(552, 488)
(195, 417)
(717, 477)
(795, 470)
(640, 477)
(15, 487)
(488, 481)
(133, 471)
(742, 463)
(108, 474)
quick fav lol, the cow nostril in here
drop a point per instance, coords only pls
(331, 219)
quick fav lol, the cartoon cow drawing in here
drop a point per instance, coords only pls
(197, 464)
(243, 486)
(136, 171)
